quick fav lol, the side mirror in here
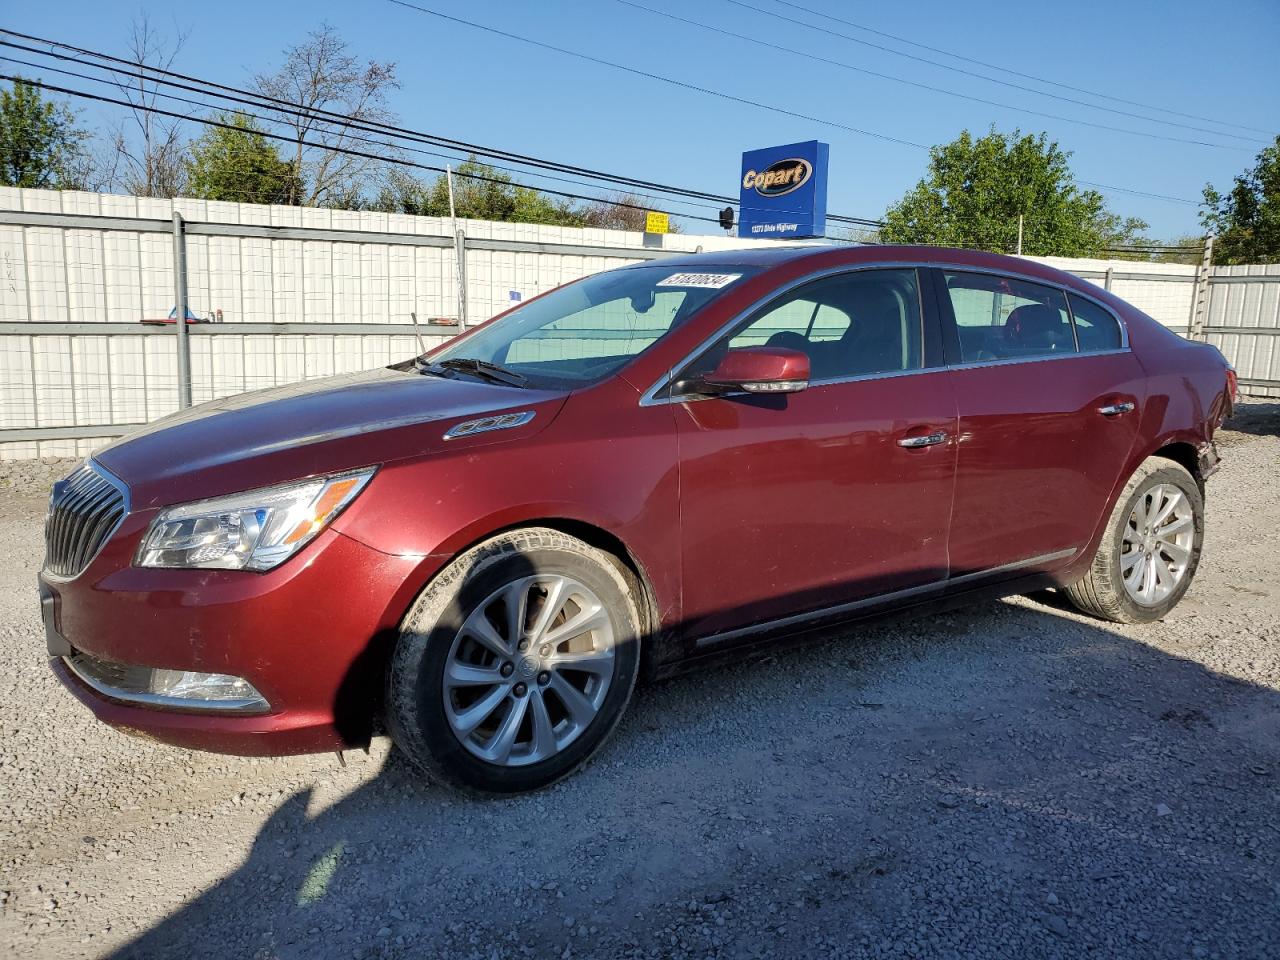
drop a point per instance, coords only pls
(759, 370)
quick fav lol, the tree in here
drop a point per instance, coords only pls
(149, 147)
(1184, 249)
(40, 144)
(480, 192)
(857, 234)
(1190, 250)
(977, 188)
(320, 78)
(624, 211)
(1246, 220)
(238, 163)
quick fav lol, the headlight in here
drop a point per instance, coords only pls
(256, 530)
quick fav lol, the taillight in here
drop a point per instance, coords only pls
(1233, 385)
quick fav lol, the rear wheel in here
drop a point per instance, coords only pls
(1150, 550)
(516, 663)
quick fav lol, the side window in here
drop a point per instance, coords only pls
(1002, 318)
(802, 318)
(853, 324)
(1096, 328)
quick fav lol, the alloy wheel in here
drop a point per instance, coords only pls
(1156, 546)
(529, 670)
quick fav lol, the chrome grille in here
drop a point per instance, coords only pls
(84, 511)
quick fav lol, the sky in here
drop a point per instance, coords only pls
(464, 83)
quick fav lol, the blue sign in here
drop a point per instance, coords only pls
(783, 191)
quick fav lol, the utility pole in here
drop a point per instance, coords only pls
(459, 250)
(180, 310)
(1019, 234)
(1200, 298)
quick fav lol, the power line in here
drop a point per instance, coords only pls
(351, 136)
(1002, 69)
(1154, 248)
(264, 101)
(408, 163)
(275, 103)
(1138, 193)
(942, 90)
(716, 93)
(398, 161)
(978, 76)
(661, 79)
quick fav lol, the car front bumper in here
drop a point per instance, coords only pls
(311, 637)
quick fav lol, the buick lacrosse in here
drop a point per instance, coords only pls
(481, 550)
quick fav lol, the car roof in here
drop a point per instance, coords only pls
(862, 254)
(775, 256)
(744, 257)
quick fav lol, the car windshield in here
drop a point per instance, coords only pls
(586, 330)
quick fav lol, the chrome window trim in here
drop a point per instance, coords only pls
(813, 384)
(1006, 361)
(162, 701)
(126, 506)
(649, 398)
(1124, 333)
(781, 623)
(1066, 294)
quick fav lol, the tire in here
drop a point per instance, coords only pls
(1103, 590)
(455, 659)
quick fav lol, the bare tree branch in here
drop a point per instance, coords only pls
(321, 76)
(621, 211)
(149, 147)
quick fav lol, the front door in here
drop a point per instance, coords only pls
(800, 502)
(1048, 398)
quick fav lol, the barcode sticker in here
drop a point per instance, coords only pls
(712, 281)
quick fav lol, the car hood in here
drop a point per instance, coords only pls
(318, 426)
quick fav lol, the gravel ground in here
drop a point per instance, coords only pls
(1013, 780)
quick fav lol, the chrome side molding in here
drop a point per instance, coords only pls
(813, 616)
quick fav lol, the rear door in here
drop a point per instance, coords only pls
(1048, 411)
(800, 502)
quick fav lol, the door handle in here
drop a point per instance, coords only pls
(928, 440)
(1115, 409)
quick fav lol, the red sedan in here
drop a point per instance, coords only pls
(669, 463)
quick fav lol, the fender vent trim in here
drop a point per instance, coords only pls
(503, 421)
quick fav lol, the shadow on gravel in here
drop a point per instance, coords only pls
(1255, 418)
(1001, 781)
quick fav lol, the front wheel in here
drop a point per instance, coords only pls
(1150, 550)
(516, 663)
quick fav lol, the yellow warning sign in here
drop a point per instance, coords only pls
(656, 222)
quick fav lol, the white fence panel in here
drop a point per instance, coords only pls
(1244, 323)
(121, 273)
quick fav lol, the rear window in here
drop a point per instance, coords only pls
(1096, 328)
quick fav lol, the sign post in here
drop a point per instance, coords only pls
(783, 191)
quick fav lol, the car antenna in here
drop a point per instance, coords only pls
(417, 332)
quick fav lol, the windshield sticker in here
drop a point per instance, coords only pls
(710, 281)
